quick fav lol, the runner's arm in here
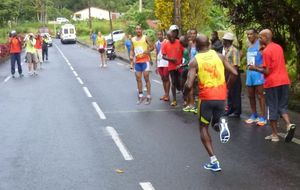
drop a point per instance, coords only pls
(193, 68)
(264, 70)
(228, 67)
(131, 55)
(232, 69)
(150, 46)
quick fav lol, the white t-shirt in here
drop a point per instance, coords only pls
(160, 61)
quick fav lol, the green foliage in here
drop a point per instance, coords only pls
(151, 34)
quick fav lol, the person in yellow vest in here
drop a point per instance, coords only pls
(140, 50)
(210, 67)
(31, 54)
(101, 44)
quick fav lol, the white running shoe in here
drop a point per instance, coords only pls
(224, 131)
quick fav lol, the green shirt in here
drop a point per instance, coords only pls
(186, 58)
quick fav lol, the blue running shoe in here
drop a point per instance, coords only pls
(213, 166)
(262, 121)
(224, 131)
(253, 119)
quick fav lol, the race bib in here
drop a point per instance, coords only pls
(251, 58)
(138, 51)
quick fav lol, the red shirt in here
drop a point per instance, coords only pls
(15, 45)
(39, 43)
(173, 50)
(273, 58)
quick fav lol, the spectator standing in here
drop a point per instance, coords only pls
(15, 53)
(276, 85)
(234, 83)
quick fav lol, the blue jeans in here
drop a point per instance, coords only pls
(15, 57)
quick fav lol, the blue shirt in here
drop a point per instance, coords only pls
(128, 44)
(254, 56)
(94, 36)
(193, 52)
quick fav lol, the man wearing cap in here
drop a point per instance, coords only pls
(234, 83)
(172, 51)
(15, 53)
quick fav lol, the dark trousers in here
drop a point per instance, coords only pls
(45, 52)
(15, 57)
(234, 97)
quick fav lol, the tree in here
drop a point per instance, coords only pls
(282, 17)
(194, 13)
(163, 10)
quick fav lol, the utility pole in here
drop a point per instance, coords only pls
(90, 17)
(141, 6)
(177, 13)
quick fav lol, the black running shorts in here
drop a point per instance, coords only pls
(210, 111)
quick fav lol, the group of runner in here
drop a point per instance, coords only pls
(36, 48)
(191, 65)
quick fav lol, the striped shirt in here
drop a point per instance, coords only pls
(232, 56)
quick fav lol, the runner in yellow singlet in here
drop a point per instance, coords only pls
(209, 66)
(140, 50)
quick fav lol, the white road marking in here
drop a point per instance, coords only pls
(121, 64)
(7, 78)
(72, 69)
(147, 186)
(98, 110)
(79, 80)
(87, 92)
(294, 140)
(158, 82)
(75, 73)
(115, 136)
(142, 111)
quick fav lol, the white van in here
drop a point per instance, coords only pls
(67, 33)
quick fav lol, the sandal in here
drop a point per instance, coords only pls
(173, 103)
(166, 98)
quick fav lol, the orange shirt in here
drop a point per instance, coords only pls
(39, 43)
(173, 50)
(15, 45)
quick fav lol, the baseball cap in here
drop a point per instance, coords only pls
(228, 36)
(173, 27)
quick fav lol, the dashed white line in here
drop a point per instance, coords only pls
(115, 136)
(79, 80)
(7, 78)
(98, 110)
(87, 92)
(75, 73)
(147, 186)
(158, 82)
(121, 64)
(72, 69)
(294, 140)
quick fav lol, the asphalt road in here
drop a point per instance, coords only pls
(76, 127)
